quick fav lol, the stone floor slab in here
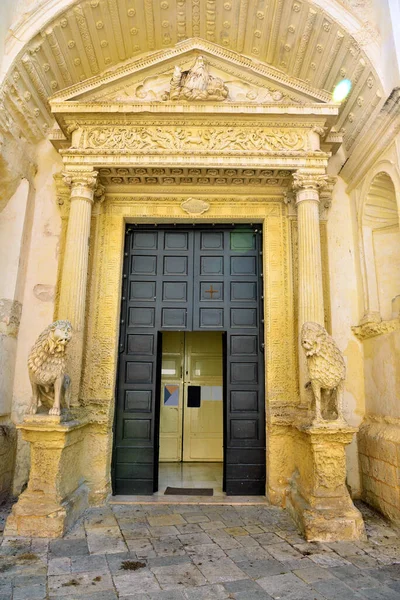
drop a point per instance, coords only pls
(203, 552)
(179, 576)
(221, 570)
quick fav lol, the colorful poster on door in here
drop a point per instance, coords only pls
(171, 395)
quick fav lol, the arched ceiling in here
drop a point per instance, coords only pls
(380, 210)
(296, 37)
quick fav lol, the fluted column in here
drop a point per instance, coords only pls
(74, 275)
(311, 298)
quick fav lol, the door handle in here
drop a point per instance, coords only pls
(194, 396)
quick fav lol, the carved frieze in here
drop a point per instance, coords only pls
(199, 139)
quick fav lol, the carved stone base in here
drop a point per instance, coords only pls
(323, 524)
(319, 500)
(56, 494)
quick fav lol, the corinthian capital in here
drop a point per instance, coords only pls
(325, 197)
(87, 179)
(309, 180)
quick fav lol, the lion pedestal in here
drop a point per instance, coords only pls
(56, 494)
(319, 500)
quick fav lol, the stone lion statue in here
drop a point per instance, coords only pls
(46, 365)
(326, 368)
(197, 83)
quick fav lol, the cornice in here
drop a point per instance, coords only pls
(76, 108)
(370, 330)
(377, 139)
(296, 47)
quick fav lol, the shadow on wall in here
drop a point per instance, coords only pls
(8, 442)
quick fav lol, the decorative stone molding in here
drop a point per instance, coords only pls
(371, 329)
(200, 139)
(309, 180)
(63, 195)
(195, 206)
(216, 54)
(325, 197)
(84, 185)
(80, 178)
(379, 134)
(86, 48)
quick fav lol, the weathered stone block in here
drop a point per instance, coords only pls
(56, 494)
(383, 471)
(364, 462)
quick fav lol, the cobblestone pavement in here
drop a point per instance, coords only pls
(199, 552)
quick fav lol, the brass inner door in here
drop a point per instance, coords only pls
(191, 403)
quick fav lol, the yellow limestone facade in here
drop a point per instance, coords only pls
(99, 131)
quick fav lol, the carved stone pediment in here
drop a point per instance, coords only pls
(232, 79)
(163, 87)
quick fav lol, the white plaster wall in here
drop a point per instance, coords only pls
(12, 220)
(345, 308)
(387, 261)
(11, 231)
(382, 375)
(38, 297)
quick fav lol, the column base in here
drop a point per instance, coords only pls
(326, 524)
(57, 493)
(39, 516)
(318, 499)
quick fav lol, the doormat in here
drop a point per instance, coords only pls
(171, 491)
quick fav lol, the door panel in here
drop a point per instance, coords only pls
(203, 426)
(190, 280)
(171, 401)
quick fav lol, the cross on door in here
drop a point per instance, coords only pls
(211, 291)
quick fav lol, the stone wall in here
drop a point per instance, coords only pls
(379, 332)
(379, 436)
(379, 447)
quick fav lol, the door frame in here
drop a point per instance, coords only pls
(280, 302)
(235, 485)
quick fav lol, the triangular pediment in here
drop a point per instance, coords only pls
(160, 78)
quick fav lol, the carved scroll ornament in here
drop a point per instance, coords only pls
(207, 139)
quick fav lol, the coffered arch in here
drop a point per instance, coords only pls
(297, 39)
